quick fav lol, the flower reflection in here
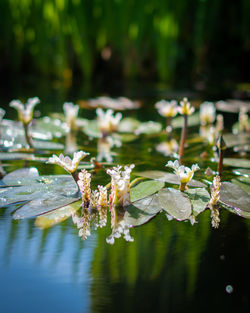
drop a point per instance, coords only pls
(71, 113)
(104, 146)
(107, 121)
(119, 226)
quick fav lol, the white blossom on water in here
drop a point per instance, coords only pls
(185, 174)
(185, 107)
(107, 121)
(25, 111)
(66, 162)
(207, 113)
(167, 108)
(120, 185)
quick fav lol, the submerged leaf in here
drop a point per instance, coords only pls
(168, 178)
(57, 216)
(141, 211)
(234, 197)
(175, 203)
(145, 189)
(199, 198)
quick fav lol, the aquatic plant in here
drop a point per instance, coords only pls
(71, 113)
(185, 174)
(213, 202)
(25, 114)
(107, 121)
(184, 109)
(70, 165)
(221, 145)
(120, 185)
(207, 113)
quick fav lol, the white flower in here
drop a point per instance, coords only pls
(168, 147)
(185, 108)
(2, 113)
(120, 185)
(207, 113)
(25, 112)
(66, 162)
(184, 173)
(71, 113)
(167, 108)
(107, 122)
(102, 200)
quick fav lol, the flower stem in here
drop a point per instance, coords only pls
(182, 187)
(76, 178)
(27, 135)
(220, 164)
(183, 138)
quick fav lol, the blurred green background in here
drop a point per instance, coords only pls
(181, 43)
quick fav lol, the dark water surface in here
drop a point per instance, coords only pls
(170, 267)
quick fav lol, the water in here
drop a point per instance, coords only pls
(170, 267)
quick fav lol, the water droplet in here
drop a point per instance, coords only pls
(229, 289)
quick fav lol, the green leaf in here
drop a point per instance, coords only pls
(145, 189)
(234, 197)
(242, 171)
(199, 198)
(234, 162)
(175, 203)
(141, 211)
(243, 183)
(53, 128)
(168, 178)
(91, 129)
(148, 128)
(128, 125)
(232, 140)
(57, 216)
(193, 120)
(21, 176)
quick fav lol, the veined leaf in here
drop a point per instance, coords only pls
(145, 189)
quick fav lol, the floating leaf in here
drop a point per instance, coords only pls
(21, 176)
(7, 156)
(91, 129)
(145, 189)
(234, 197)
(175, 203)
(243, 183)
(148, 128)
(237, 162)
(193, 120)
(53, 127)
(242, 171)
(232, 105)
(168, 178)
(141, 211)
(57, 216)
(199, 198)
(232, 140)
(128, 125)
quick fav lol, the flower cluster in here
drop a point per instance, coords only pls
(84, 184)
(71, 113)
(83, 223)
(120, 185)
(167, 108)
(207, 113)
(185, 174)
(66, 162)
(107, 121)
(213, 202)
(25, 112)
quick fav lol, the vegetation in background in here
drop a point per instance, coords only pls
(191, 40)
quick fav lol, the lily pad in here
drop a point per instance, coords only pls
(237, 162)
(54, 128)
(148, 128)
(243, 183)
(7, 156)
(145, 189)
(199, 198)
(175, 203)
(128, 125)
(141, 211)
(193, 120)
(234, 197)
(242, 171)
(21, 176)
(57, 216)
(168, 178)
(232, 105)
(232, 140)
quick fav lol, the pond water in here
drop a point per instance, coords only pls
(170, 266)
